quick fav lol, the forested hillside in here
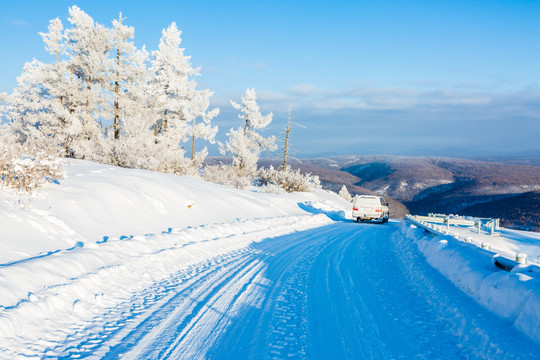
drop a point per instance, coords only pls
(441, 185)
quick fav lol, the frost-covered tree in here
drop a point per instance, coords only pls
(29, 105)
(36, 106)
(89, 47)
(289, 180)
(245, 144)
(27, 166)
(63, 122)
(129, 76)
(344, 193)
(203, 129)
(172, 86)
(99, 100)
(36, 109)
(177, 103)
(54, 39)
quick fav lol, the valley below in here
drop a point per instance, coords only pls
(421, 185)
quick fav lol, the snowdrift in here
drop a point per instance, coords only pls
(89, 243)
(515, 295)
(95, 202)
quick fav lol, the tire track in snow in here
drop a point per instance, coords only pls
(242, 290)
(175, 308)
(82, 314)
(351, 291)
(343, 291)
(148, 310)
(277, 328)
(380, 299)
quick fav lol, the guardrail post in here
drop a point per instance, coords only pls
(478, 224)
(486, 246)
(521, 258)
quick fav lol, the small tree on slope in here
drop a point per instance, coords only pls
(344, 193)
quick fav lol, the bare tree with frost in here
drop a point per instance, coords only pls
(245, 144)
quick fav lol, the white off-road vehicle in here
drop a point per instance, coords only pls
(368, 207)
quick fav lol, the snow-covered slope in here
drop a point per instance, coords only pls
(81, 259)
(95, 202)
(103, 233)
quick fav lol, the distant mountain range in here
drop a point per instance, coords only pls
(435, 184)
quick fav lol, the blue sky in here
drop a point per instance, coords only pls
(450, 78)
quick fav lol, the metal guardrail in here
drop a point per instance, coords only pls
(431, 224)
(492, 225)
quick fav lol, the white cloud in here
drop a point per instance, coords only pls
(265, 95)
(305, 89)
(19, 22)
(307, 96)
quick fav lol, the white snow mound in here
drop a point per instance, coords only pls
(103, 233)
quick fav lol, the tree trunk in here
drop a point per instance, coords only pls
(89, 88)
(286, 149)
(165, 122)
(193, 139)
(116, 94)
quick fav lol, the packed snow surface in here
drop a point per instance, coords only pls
(117, 263)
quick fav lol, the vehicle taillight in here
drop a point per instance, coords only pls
(355, 209)
(378, 210)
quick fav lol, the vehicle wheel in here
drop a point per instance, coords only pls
(355, 219)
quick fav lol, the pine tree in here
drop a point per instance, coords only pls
(245, 144)
(173, 87)
(89, 47)
(36, 108)
(177, 103)
(344, 193)
(30, 105)
(202, 130)
(99, 100)
(60, 87)
(129, 75)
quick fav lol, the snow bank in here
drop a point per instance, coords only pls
(102, 234)
(515, 295)
(96, 201)
(43, 297)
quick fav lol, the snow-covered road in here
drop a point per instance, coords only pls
(345, 290)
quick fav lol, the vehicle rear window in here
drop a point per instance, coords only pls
(367, 201)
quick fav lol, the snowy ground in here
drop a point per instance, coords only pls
(123, 263)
